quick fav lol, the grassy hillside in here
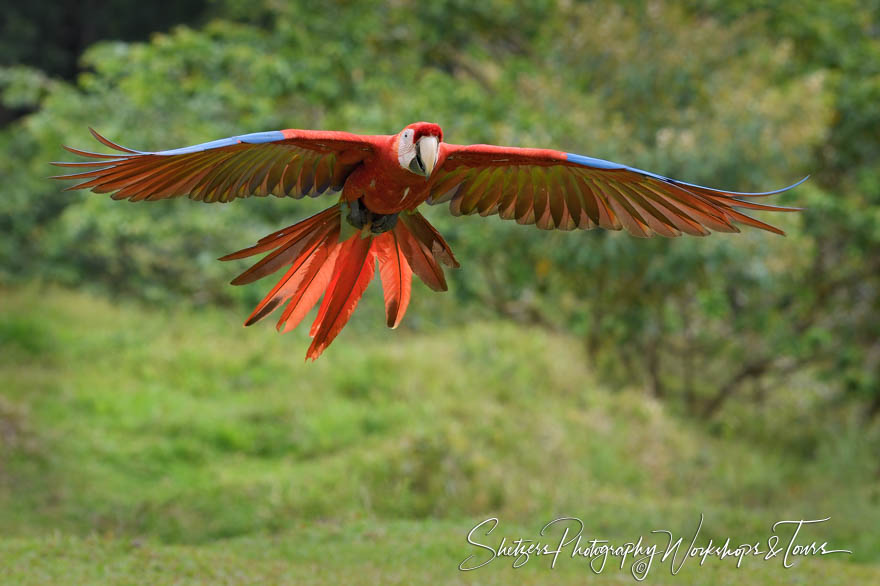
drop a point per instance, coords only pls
(163, 445)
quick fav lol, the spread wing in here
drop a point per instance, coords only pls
(284, 163)
(558, 190)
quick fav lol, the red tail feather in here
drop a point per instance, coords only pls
(300, 274)
(352, 273)
(279, 238)
(319, 264)
(430, 237)
(288, 248)
(420, 258)
(396, 276)
(313, 286)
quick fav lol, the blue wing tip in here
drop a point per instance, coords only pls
(252, 138)
(792, 186)
(592, 162)
(736, 193)
(609, 165)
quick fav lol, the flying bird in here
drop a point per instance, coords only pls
(382, 180)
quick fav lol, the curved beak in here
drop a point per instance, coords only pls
(427, 150)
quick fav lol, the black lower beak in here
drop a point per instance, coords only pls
(417, 165)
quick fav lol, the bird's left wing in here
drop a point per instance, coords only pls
(558, 190)
(285, 163)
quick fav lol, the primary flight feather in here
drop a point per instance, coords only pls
(382, 180)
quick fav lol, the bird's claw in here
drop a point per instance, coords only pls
(359, 217)
(382, 223)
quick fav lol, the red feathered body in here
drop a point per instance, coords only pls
(385, 186)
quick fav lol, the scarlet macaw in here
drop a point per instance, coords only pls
(383, 179)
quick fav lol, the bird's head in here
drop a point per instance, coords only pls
(418, 146)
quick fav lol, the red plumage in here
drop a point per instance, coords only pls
(382, 180)
(309, 292)
(352, 272)
(396, 275)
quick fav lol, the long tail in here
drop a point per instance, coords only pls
(321, 263)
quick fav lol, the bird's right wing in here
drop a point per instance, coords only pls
(284, 163)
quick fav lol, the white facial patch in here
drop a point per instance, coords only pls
(406, 149)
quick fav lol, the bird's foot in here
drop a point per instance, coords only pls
(383, 223)
(359, 217)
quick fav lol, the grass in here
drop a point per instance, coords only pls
(173, 446)
(387, 552)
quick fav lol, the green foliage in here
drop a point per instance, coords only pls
(716, 93)
(50, 34)
(836, 303)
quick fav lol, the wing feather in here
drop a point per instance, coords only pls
(661, 210)
(557, 199)
(525, 199)
(290, 163)
(631, 220)
(488, 204)
(557, 190)
(476, 190)
(541, 195)
(605, 217)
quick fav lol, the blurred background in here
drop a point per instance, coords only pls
(144, 435)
